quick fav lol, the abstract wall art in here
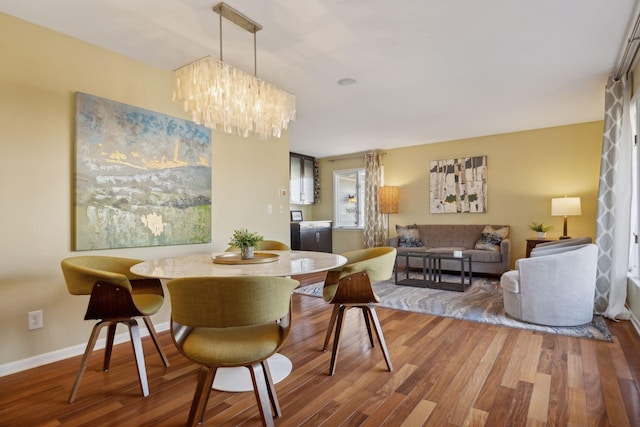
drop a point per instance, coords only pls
(459, 185)
(142, 178)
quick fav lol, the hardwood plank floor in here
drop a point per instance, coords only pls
(446, 373)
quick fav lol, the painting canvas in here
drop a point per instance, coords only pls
(459, 185)
(142, 178)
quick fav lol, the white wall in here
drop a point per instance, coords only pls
(40, 72)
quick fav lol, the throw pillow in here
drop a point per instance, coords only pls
(490, 238)
(409, 236)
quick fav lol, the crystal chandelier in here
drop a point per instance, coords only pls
(225, 98)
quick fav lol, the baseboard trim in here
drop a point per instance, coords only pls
(65, 353)
(635, 322)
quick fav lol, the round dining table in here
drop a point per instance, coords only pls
(266, 263)
(285, 264)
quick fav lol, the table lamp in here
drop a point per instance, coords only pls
(565, 206)
(388, 198)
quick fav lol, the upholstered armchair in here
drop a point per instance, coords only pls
(555, 286)
(231, 322)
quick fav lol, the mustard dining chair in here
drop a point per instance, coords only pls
(230, 322)
(117, 296)
(265, 245)
(349, 286)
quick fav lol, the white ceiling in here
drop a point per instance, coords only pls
(427, 70)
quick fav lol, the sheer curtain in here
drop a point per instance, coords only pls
(373, 220)
(613, 227)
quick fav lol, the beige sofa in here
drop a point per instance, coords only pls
(458, 237)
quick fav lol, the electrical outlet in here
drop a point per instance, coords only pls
(36, 320)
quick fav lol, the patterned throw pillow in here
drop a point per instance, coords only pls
(490, 238)
(409, 236)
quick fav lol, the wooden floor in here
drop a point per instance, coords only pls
(446, 373)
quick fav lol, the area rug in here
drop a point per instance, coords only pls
(482, 302)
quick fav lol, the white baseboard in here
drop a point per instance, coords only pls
(635, 322)
(65, 353)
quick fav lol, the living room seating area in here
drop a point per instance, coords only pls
(488, 245)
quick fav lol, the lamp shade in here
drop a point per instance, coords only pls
(565, 206)
(388, 200)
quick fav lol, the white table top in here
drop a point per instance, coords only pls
(289, 263)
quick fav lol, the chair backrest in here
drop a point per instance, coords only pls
(559, 246)
(272, 245)
(82, 272)
(265, 245)
(221, 302)
(376, 262)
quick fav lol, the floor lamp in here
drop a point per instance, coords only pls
(565, 206)
(388, 198)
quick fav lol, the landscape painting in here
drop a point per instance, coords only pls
(459, 185)
(141, 179)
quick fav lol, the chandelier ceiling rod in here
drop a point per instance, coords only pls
(242, 21)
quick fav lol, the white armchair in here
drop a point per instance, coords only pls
(555, 287)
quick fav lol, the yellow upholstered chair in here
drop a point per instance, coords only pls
(228, 322)
(265, 245)
(117, 296)
(350, 286)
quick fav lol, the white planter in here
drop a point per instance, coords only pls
(541, 234)
(246, 252)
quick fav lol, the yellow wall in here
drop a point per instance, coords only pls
(525, 170)
(40, 72)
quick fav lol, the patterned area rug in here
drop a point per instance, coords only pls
(482, 302)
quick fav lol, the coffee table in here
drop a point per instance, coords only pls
(435, 272)
(417, 283)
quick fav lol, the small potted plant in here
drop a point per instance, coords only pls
(246, 241)
(540, 228)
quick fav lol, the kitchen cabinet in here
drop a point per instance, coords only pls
(301, 179)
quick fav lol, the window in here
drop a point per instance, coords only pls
(348, 194)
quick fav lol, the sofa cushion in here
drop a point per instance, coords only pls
(490, 238)
(480, 255)
(447, 250)
(409, 236)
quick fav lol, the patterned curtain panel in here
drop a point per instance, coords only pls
(614, 203)
(373, 221)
